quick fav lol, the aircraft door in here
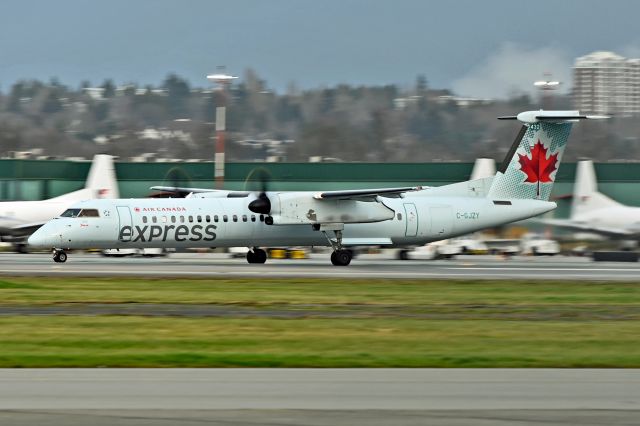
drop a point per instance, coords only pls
(441, 220)
(124, 215)
(411, 220)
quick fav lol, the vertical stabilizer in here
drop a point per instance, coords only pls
(586, 197)
(102, 178)
(529, 170)
(483, 168)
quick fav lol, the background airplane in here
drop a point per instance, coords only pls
(19, 219)
(594, 212)
(390, 216)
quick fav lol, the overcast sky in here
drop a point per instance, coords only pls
(483, 48)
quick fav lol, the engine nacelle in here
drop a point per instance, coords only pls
(297, 209)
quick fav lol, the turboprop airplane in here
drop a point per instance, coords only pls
(340, 219)
(594, 212)
(18, 219)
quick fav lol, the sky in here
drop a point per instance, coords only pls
(489, 48)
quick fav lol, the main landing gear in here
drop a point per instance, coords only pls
(256, 256)
(341, 257)
(59, 256)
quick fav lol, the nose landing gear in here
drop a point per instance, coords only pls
(59, 256)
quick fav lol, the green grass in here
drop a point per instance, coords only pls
(474, 324)
(259, 292)
(183, 342)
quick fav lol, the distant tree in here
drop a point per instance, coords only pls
(109, 89)
(178, 93)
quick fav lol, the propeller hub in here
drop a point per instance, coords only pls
(261, 205)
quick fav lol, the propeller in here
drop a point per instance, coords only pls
(262, 204)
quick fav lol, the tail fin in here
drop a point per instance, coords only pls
(483, 168)
(530, 167)
(102, 178)
(586, 197)
(101, 182)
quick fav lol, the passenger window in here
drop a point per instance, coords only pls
(181, 219)
(173, 219)
(399, 216)
(89, 213)
(253, 218)
(244, 217)
(70, 213)
(215, 218)
(164, 219)
(190, 219)
(144, 219)
(154, 219)
(199, 218)
(261, 218)
(225, 218)
(208, 218)
(235, 218)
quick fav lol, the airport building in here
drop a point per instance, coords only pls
(606, 83)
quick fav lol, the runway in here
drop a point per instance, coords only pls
(319, 396)
(318, 266)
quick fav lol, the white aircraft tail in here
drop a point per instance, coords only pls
(101, 181)
(483, 168)
(530, 167)
(586, 197)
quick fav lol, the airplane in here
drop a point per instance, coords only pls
(407, 216)
(19, 219)
(595, 213)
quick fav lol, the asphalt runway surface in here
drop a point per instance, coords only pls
(319, 266)
(319, 396)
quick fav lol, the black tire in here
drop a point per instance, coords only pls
(403, 255)
(251, 257)
(341, 258)
(59, 256)
(261, 255)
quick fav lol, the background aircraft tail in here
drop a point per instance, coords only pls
(483, 168)
(530, 167)
(101, 181)
(586, 197)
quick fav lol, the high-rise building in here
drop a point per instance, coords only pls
(606, 83)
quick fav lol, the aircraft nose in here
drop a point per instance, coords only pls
(45, 237)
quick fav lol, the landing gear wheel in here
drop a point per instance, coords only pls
(256, 256)
(403, 255)
(59, 256)
(341, 257)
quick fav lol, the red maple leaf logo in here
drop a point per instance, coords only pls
(538, 168)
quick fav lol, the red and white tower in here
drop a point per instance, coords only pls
(222, 84)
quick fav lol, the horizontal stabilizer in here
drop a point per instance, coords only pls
(551, 116)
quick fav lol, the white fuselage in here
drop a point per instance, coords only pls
(227, 222)
(620, 217)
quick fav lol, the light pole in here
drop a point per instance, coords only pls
(223, 81)
(547, 85)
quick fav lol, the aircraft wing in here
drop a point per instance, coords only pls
(582, 226)
(365, 194)
(182, 189)
(21, 230)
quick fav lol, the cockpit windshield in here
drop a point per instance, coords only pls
(70, 213)
(80, 213)
(89, 213)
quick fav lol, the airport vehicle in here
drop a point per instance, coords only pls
(593, 212)
(444, 249)
(19, 219)
(340, 219)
